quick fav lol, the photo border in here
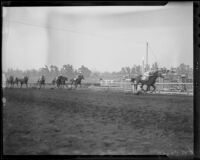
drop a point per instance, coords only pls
(196, 83)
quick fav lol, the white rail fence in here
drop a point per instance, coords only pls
(171, 88)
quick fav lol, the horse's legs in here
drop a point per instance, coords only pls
(142, 87)
(136, 86)
(71, 84)
(154, 87)
(148, 88)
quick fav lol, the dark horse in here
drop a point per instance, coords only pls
(60, 81)
(149, 82)
(77, 81)
(41, 81)
(10, 81)
(54, 81)
(23, 81)
(16, 81)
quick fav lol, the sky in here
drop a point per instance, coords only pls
(103, 38)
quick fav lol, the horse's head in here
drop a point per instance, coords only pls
(132, 79)
(158, 73)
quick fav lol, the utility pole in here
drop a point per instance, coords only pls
(143, 66)
(146, 56)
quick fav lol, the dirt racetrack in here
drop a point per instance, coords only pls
(60, 121)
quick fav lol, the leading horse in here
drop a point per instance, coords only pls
(149, 82)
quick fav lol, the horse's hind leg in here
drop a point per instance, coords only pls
(142, 87)
(148, 88)
(154, 88)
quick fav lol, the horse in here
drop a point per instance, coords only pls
(149, 82)
(41, 81)
(23, 81)
(54, 81)
(16, 81)
(60, 80)
(10, 81)
(77, 81)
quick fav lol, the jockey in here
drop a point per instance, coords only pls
(146, 75)
(76, 77)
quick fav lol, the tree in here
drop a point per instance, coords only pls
(95, 74)
(123, 70)
(133, 70)
(54, 71)
(54, 68)
(85, 71)
(147, 68)
(154, 66)
(128, 71)
(68, 71)
(183, 69)
(44, 71)
(138, 69)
